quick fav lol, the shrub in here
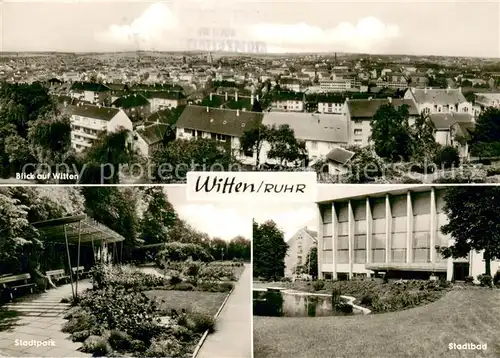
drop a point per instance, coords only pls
(183, 286)
(485, 280)
(367, 299)
(344, 308)
(176, 251)
(198, 322)
(80, 336)
(496, 278)
(336, 299)
(165, 347)
(82, 321)
(318, 285)
(98, 346)
(175, 280)
(447, 157)
(124, 276)
(469, 279)
(119, 341)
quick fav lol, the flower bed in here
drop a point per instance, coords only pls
(118, 318)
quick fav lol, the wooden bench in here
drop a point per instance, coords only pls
(81, 271)
(57, 276)
(14, 283)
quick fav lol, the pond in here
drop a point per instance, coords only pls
(286, 304)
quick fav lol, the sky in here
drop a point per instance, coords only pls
(447, 28)
(225, 220)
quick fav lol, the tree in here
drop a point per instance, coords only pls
(473, 213)
(391, 133)
(269, 251)
(310, 266)
(284, 147)
(158, 217)
(423, 143)
(365, 166)
(114, 207)
(49, 139)
(173, 162)
(486, 138)
(239, 248)
(448, 157)
(252, 140)
(218, 248)
(103, 160)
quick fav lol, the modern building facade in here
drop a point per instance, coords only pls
(389, 231)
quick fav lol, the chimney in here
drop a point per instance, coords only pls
(211, 96)
(236, 96)
(389, 99)
(252, 100)
(226, 96)
(237, 113)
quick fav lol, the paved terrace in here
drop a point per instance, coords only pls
(38, 317)
(233, 335)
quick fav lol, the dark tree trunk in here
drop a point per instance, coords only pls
(487, 265)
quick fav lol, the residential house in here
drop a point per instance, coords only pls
(291, 84)
(88, 121)
(461, 137)
(234, 101)
(165, 99)
(299, 246)
(444, 122)
(149, 138)
(360, 112)
(485, 100)
(391, 230)
(321, 132)
(288, 101)
(439, 100)
(224, 125)
(136, 106)
(91, 92)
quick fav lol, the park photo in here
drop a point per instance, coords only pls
(122, 272)
(379, 271)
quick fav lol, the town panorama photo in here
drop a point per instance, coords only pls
(143, 92)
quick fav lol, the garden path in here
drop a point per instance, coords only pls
(233, 335)
(38, 318)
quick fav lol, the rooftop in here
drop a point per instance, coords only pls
(91, 111)
(153, 133)
(445, 120)
(221, 121)
(311, 126)
(366, 108)
(438, 95)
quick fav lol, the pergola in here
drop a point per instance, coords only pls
(79, 230)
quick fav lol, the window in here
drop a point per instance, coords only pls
(357, 121)
(187, 131)
(358, 132)
(357, 141)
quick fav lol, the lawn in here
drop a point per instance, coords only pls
(199, 301)
(462, 316)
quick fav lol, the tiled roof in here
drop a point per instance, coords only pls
(311, 126)
(231, 103)
(130, 101)
(366, 108)
(445, 120)
(340, 155)
(153, 133)
(466, 129)
(160, 116)
(438, 96)
(313, 234)
(88, 86)
(326, 98)
(220, 121)
(91, 111)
